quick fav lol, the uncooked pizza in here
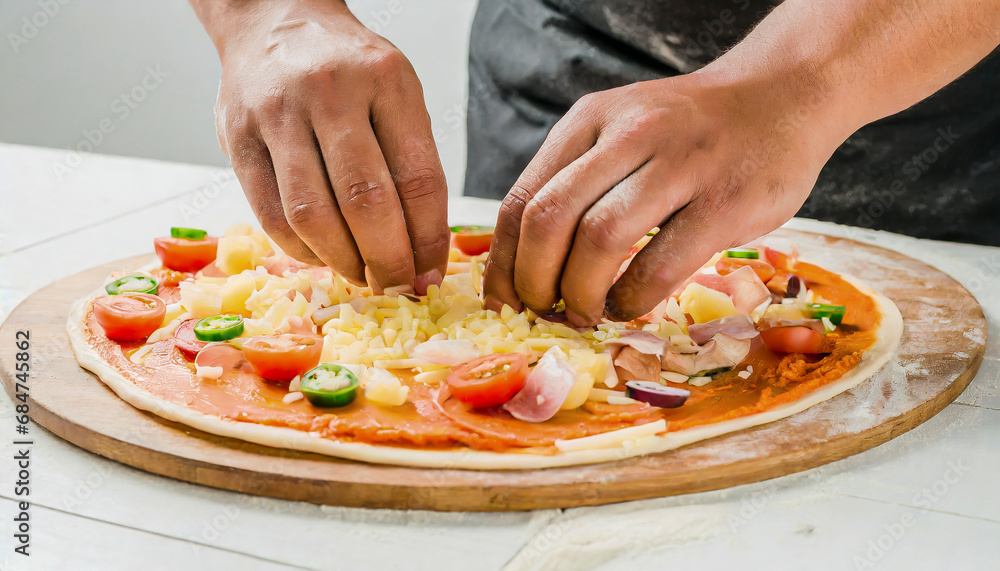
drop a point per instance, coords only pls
(230, 336)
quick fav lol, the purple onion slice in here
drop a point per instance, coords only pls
(656, 394)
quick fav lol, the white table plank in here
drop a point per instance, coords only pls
(770, 527)
(65, 541)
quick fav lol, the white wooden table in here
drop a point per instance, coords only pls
(928, 499)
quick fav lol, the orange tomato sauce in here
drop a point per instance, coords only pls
(429, 419)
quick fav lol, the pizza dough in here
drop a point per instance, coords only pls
(629, 442)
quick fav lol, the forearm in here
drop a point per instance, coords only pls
(862, 60)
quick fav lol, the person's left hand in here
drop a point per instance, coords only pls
(710, 163)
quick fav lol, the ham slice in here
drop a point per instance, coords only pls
(636, 355)
(634, 365)
(737, 326)
(450, 352)
(642, 341)
(546, 388)
(743, 286)
(720, 352)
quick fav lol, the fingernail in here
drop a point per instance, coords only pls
(554, 316)
(426, 280)
(612, 311)
(399, 290)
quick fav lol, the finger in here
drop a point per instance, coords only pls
(403, 129)
(307, 200)
(608, 231)
(569, 139)
(367, 197)
(551, 218)
(252, 164)
(691, 236)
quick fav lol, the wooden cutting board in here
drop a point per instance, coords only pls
(941, 350)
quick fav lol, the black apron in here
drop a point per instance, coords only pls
(932, 171)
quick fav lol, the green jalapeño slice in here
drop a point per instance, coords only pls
(188, 233)
(329, 385)
(132, 284)
(219, 328)
(835, 313)
(745, 253)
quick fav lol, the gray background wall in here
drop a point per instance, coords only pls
(65, 64)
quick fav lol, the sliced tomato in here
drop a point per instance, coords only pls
(129, 317)
(186, 341)
(794, 339)
(473, 240)
(726, 266)
(489, 380)
(779, 260)
(223, 355)
(280, 358)
(186, 255)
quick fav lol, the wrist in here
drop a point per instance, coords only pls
(232, 22)
(797, 102)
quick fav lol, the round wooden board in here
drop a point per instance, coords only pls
(940, 352)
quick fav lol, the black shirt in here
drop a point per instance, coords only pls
(932, 171)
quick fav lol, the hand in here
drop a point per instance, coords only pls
(325, 125)
(711, 163)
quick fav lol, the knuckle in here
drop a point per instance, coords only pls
(363, 193)
(389, 63)
(272, 219)
(300, 207)
(640, 128)
(516, 200)
(586, 103)
(605, 230)
(420, 183)
(438, 242)
(273, 101)
(319, 75)
(545, 217)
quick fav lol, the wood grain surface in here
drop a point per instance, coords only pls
(943, 343)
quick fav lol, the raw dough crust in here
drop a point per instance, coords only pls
(889, 333)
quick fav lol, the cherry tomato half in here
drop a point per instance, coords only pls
(489, 380)
(794, 339)
(726, 266)
(186, 255)
(280, 358)
(186, 341)
(129, 317)
(778, 260)
(473, 240)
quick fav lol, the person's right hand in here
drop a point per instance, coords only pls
(325, 125)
